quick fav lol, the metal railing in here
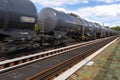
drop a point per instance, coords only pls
(16, 62)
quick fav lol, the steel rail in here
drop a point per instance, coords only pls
(16, 62)
(59, 68)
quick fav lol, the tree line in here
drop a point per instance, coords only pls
(117, 28)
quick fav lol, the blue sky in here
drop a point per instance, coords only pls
(101, 11)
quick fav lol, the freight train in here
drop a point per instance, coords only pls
(17, 19)
(60, 25)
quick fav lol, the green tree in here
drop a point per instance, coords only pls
(117, 28)
(36, 29)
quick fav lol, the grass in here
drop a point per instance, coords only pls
(106, 66)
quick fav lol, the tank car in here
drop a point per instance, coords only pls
(113, 32)
(103, 31)
(58, 24)
(55, 20)
(107, 32)
(98, 30)
(92, 31)
(17, 19)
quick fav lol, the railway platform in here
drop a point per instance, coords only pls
(105, 66)
(34, 67)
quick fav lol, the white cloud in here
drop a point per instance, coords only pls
(59, 2)
(107, 1)
(101, 11)
(105, 13)
(108, 14)
(85, 1)
(61, 9)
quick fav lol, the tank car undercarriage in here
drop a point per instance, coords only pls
(10, 44)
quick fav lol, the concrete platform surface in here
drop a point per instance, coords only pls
(106, 66)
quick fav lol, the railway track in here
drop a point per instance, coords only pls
(12, 63)
(55, 65)
(25, 52)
